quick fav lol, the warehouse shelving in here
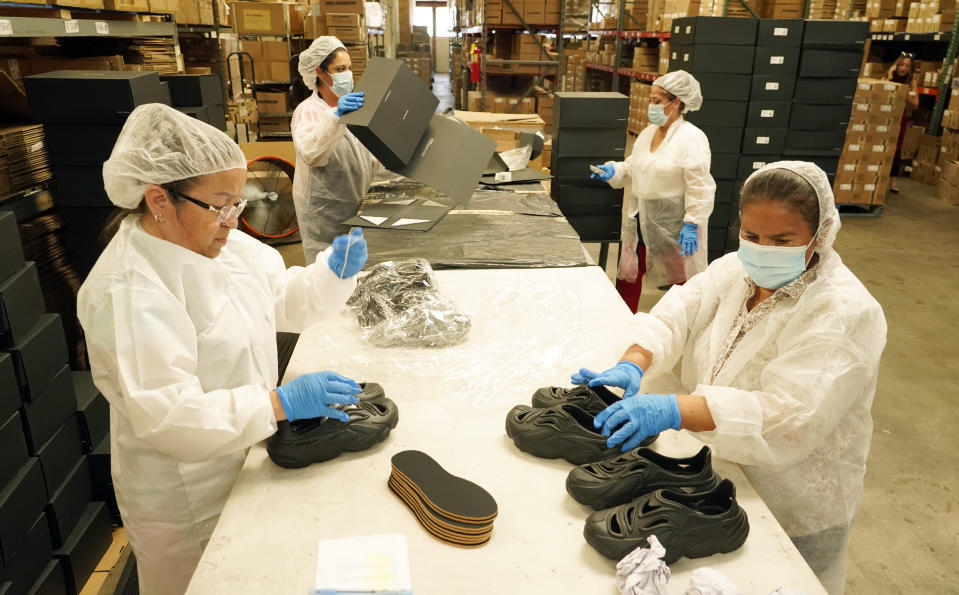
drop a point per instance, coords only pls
(32, 27)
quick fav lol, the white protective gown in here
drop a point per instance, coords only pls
(184, 349)
(792, 402)
(333, 173)
(666, 188)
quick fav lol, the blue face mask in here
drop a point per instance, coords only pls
(342, 83)
(771, 267)
(657, 114)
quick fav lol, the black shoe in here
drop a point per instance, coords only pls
(303, 442)
(625, 477)
(371, 390)
(564, 431)
(589, 399)
(688, 525)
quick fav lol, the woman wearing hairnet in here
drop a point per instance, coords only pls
(669, 187)
(779, 348)
(180, 314)
(333, 169)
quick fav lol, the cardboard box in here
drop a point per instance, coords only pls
(272, 103)
(346, 34)
(780, 32)
(772, 87)
(163, 6)
(713, 30)
(830, 63)
(724, 139)
(344, 6)
(730, 59)
(719, 113)
(96, 97)
(776, 60)
(259, 17)
(768, 114)
(127, 5)
(344, 19)
(590, 110)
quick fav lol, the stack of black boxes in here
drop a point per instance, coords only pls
(588, 129)
(52, 535)
(199, 96)
(82, 113)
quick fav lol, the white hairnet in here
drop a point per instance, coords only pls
(828, 213)
(683, 85)
(314, 55)
(159, 145)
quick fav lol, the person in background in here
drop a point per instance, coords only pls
(670, 192)
(903, 71)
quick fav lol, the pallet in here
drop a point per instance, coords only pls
(860, 210)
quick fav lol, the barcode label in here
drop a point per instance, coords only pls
(767, 113)
(71, 26)
(780, 32)
(762, 140)
(6, 27)
(777, 59)
(102, 28)
(772, 86)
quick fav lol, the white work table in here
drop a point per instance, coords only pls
(531, 328)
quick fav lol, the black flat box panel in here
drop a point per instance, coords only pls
(21, 502)
(217, 114)
(11, 251)
(723, 87)
(396, 112)
(713, 30)
(585, 200)
(51, 580)
(91, 96)
(763, 141)
(13, 448)
(86, 545)
(825, 90)
(69, 502)
(726, 192)
(723, 166)
(807, 116)
(724, 139)
(772, 87)
(814, 142)
(717, 238)
(575, 170)
(40, 355)
(80, 144)
(719, 113)
(781, 32)
(778, 60)
(31, 559)
(721, 215)
(9, 387)
(589, 110)
(21, 304)
(80, 186)
(828, 163)
(597, 228)
(54, 406)
(835, 34)
(194, 89)
(60, 454)
(750, 163)
(584, 142)
(93, 410)
(732, 59)
(830, 63)
(768, 114)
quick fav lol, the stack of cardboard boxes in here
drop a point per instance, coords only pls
(638, 106)
(948, 186)
(544, 107)
(419, 63)
(931, 16)
(926, 160)
(677, 9)
(271, 59)
(948, 183)
(646, 59)
(532, 12)
(575, 71)
(780, 9)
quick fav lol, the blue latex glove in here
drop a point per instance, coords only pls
(346, 262)
(608, 172)
(645, 415)
(311, 395)
(688, 239)
(625, 375)
(349, 103)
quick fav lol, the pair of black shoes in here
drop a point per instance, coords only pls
(679, 500)
(560, 424)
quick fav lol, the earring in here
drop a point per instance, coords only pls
(158, 218)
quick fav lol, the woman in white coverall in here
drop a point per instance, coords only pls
(669, 187)
(333, 169)
(180, 314)
(779, 347)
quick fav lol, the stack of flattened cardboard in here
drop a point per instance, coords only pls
(24, 161)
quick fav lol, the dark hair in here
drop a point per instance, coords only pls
(113, 223)
(671, 97)
(786, 187)
(325, 64)
(902, 57)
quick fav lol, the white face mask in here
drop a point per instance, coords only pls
(657, 114)
(342, 83)
(771, 267)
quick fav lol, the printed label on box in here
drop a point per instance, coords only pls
(777, 59)
(102, 28)
(849, 167)
(780, 32)
(862, 107)
(37, 146)
(882, 129)
(257, 19)
(71, 26)
(878, 148)
(872, 168)
(855, 148)
(772, 86)
(767, 113)
(869, 187)
(685, 57)
(845, 186)
(689, 29)
(885, 108)
(6, 27)
(758, 164)
(858, 127)
(762, 140)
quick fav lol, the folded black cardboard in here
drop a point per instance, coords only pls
(69, 502)
(726, 192)
(31, 558)
(80, 186)
(60, 454)
(589, 110)
(51, 580)
(830, 63)
(719, 113)
(723, 166)
(585, 142)
(9, 387)
(517, 176)
(40, 355)
(779, 60)
(81, 144)
(21, 303)
(724, 139)
(91, 96)
(835, 34)
(13, 445)
(732, 59)
(814, 142)
(585, 200)
(396, 112)
(86, 544)
(11, 251)
(757, 141)
(807, 116)
(51, 409)
(21, 502)
(714, 30)
(788, 32)
(575, 170)
(723, 87)
(93, 410)
(768, 114)
(597, 228)
(194, 89)
(750, 163)
(825, 90)
(772, 87)
(721, 215)
(451, 158)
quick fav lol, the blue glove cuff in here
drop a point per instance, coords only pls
(283, 401)
(676, 419)
(634, 365)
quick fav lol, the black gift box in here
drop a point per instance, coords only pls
(31, 558)
(13, 447)
(85, 546)
(768, 114)
(21, 304)
(723, 87)
(783, 32)
(835, 34)
(713, 30)
(51, 580)
(60, 454)
(723, 166)
(727, 193)
(40, 355)
(819, 117)
(758, 141)
(778, 60)
(50, 410)
(575, 170)
(589, 110)
(724, 139)
(80, 186)
(21, 502)
(732, 59)
(11, 251)
(722, 215)
(814, 142)
(584, 142)
(69, 502)
(772, 87)
(750, 163)
(9, 387)
(586, 200)
(93, 410)
(830, 63)
(91, 96)
(82, 145)
(719, 113)
(717, 239)
(597, 228)
(194, 89)
(825, 90)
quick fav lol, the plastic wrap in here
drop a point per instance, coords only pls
(398, 305)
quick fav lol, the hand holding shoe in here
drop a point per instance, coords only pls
(310, 396)
(642, 416)
(626, 375)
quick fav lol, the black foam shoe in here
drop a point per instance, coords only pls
(371, 390)
(589, 399)
(563, 431)
(688, 525)
(620, 479)
(303, 442)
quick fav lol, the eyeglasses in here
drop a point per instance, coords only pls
(224, 213)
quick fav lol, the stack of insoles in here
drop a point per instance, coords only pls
(450, 508)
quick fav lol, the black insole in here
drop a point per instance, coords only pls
(455, 496)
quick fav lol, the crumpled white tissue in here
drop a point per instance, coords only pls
(707, 581)
(642, 571)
